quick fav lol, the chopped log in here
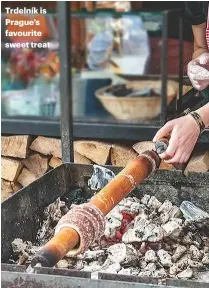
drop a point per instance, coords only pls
(80, 159)
(143, 146)
(16, 186)
(10, 169)
(15, 146)
(98, 152)
(55, 162)
(199, 162)
(121, 155)
(26, 177)
(47, 146)
(166, 166)
(6, 189)
(37, 164)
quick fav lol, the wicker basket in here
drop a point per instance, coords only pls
(135, 108)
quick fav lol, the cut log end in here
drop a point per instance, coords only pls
(15, 146)
(122, 155)
(26, 177)
(10, 169)
(97, 152)
(199, 162)
(47, 146)
(37, 164)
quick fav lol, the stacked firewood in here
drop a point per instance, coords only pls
(25, 159)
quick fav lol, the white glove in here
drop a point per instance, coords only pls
(198, 72)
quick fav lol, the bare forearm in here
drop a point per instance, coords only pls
(198, 52)
(200, 44)
(204, 114)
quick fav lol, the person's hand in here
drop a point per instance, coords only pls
(184, 133)
(198, 72)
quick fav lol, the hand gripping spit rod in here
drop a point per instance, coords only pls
(85, 223)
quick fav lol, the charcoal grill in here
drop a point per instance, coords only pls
(22, 213)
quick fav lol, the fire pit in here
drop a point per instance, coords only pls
(143, 239)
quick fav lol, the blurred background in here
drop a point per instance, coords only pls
(116, 56)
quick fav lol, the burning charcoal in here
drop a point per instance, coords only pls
(52, 214)
(146, 273)
(141, 223)
(136, 234)
(137, 200)
(205, 259)
(187, 240)
(115, 213)
(150, 256)
(196, 264)
(180, 250)
(173, 228)
(113, 268)
(182, 245)
(156, 234)
(159, 273)
(131, 236)
(154, 216)
(195, 253)
(154, 203)
(174, 269)
(23, 258)
(165, 258)
(175, 212)
(192, 212)
(71, 262)
(150, 267)
(185, 274)
(128, 201)
(142, 214)
(148, 231)
(206, 242)
(143, 248)
(93, 255)
(100, 178)
(135, 207)
(183, 262)
(113, 222)
(143, 231)
(79, 265)
(142, 263)
(129, 271)
(128, 205)
(123, 254)
(125, 271)
(92, 267)
(167, 246)
(205, 249)
(62, 264)
(164, 217)
(166, 207)
(55, 210)
(18, 246)
(106, 264)
(145, 199)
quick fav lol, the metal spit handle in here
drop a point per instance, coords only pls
(162, 145)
